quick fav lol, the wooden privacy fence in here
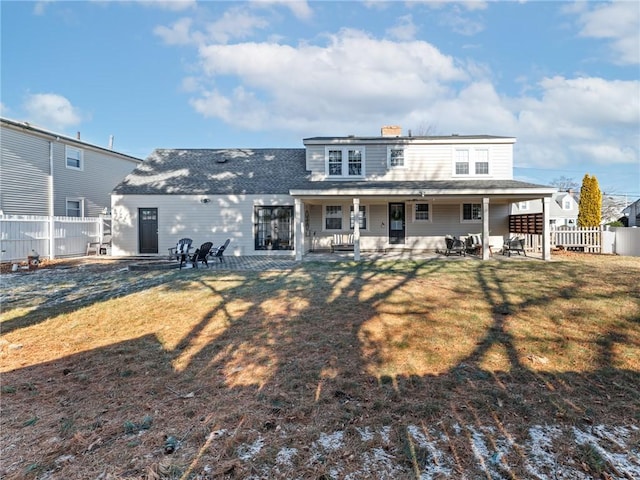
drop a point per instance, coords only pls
(50, 237)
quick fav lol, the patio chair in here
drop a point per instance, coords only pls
(219, 252)
(514, 244)
(473, 244)
(201, 254)
(105, 245)
(181, 251)
(454, 245)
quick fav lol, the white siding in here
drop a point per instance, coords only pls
(180, 216)
(445, 220)
(422, 161)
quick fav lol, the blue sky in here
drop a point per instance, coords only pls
(561, 77)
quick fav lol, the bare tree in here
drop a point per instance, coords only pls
(612, 206)
(564, 184)
(424, 130)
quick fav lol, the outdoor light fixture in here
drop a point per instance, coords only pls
(205, 200)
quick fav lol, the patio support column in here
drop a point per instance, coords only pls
(299, 228)
(546, 240)
(485, 228)
(356, 229)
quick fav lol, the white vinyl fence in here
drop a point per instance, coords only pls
(616, 240)
(49, 237)
(626, 241)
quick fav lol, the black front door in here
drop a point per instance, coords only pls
(148, 230)
(396, 224)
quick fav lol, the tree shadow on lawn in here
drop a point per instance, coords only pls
(294, 364)
(49, 295)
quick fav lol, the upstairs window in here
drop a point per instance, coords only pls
(462, 162)
(363, 218)
(421, 212)
(345, 162)
(471, 162)
(333, 217)
(566, 204)
(73, 158)
(355, 162)
(482, 162)
(335, 162)
(395, 157)
(471, 212)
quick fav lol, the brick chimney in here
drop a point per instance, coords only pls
(391, 131)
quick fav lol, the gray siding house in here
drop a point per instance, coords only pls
(383, 192)
(45, 173)
(563, 211)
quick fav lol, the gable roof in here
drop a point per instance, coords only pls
(262, 171)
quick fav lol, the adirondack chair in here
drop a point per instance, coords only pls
(454, 245)
(181, 251)
(219, 252)
(514, 244)
(473, 244)
(201, 254)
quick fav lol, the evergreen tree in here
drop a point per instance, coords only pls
(590, 213)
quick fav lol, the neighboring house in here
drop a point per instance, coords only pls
(632, 214)
(563, 211)
(45, 173)
(409, 192)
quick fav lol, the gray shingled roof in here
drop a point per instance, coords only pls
(261, 171)
(225, 171)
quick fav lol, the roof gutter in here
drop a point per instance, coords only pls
(448, 192)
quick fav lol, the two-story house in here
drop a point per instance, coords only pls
(49, 174)
(388, 191)
(563, 212)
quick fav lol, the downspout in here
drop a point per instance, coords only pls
(52, 242)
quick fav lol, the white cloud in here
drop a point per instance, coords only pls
(333, 89)
(404, 29)
(40, 7)
(179, 33)
(4, 110)
(51, 110)
(171, 5)
(618, 22)
(299, 8)
(460, 22)
(592, 119)
(301, 85)
(235, 23)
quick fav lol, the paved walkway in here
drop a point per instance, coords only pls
(282, 262)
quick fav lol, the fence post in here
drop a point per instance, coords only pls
(546, 222)
(52, 238)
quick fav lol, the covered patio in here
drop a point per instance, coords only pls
(412, 219)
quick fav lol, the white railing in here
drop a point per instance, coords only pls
(587, 239)
(617, 240)
(50, 237)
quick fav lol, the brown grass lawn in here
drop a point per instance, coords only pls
(429, 369)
